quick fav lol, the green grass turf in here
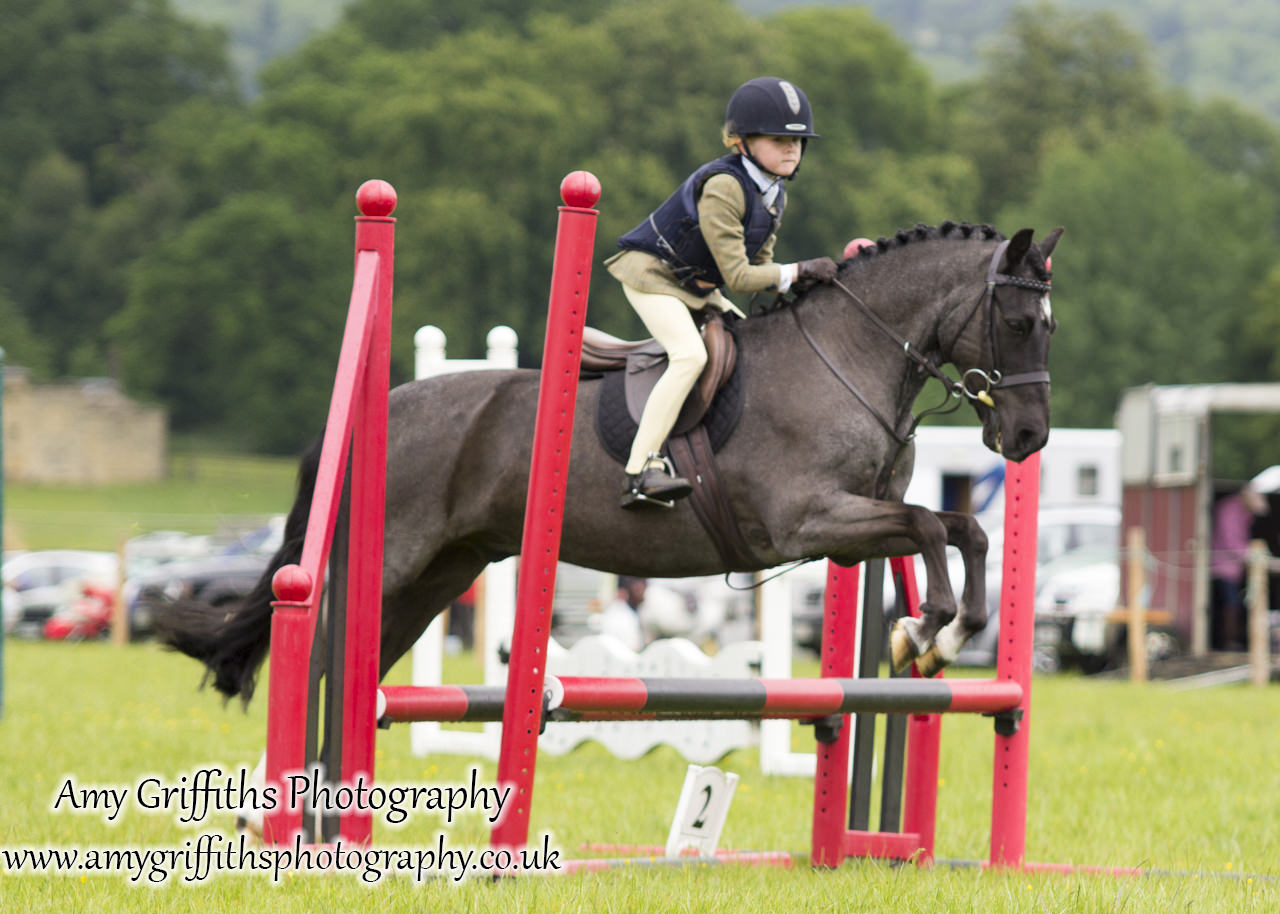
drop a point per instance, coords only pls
(201, 494)
(1186, 784)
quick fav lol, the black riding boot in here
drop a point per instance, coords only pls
(656, 484)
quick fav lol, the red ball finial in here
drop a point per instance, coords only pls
(853, 247)
(376, 198)
(291, 584)
(580, 189)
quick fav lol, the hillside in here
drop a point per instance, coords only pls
(1231, 47)
(1226, 48)
(259, 30)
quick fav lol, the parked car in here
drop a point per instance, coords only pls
(37, 584)
(1075, 594)
(225, 577)
(1060, 530)
(159, 547)
(85, 618)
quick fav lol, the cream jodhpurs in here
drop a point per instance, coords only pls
(671, 323)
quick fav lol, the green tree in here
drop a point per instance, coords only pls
(1051, 73)
(235, 322)
(87, 78)
(1233, 140)
(881, 162)
(53, 199)
(493, 119)
(476, 123)
(405, 24)
(80, 84)
(1260, 338)
(21, 346)
(1158, 271)
(227, 261)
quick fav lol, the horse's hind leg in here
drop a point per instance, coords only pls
(406, 612)
(249, 815)
(409, 609)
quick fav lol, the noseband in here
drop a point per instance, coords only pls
(988, 380)
(996, 378)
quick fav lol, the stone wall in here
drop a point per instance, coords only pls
(83, 432)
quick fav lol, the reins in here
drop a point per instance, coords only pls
(955, 389)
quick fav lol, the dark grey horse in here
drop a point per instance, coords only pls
(816, 467)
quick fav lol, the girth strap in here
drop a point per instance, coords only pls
(694, 460)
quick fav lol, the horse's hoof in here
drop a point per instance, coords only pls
(250, 827)
(930, 663)
(902, 647)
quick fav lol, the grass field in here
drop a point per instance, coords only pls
(1184, 783)
(201, 494)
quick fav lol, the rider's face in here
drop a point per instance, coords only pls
(779, 155)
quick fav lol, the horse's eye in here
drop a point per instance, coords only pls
(1019, 325)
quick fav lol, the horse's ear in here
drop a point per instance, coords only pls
(1019, 244)
(1050, 241)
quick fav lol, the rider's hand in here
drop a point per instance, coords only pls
(820, 269)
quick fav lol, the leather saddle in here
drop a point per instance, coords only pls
(707, 419)
(644, 361)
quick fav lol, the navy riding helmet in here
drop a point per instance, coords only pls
(768, 106)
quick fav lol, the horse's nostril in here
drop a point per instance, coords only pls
(1027, 441)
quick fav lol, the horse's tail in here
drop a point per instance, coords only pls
(232, 643)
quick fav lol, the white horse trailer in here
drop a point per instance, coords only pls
(955, 471)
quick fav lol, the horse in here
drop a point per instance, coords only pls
(816, 467)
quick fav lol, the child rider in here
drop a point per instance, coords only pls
(717, 229)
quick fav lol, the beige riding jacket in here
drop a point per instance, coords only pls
(721, 209)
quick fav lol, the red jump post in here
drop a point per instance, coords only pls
(357, 422)
(1014, 661)
(832, 841)
(544, 515)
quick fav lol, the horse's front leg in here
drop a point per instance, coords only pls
(967, 535)
(851, 529)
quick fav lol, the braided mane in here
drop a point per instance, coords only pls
(957, 231)
(948, 230)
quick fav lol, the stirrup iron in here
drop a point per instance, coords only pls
(647, 485)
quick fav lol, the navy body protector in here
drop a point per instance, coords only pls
(671, 232)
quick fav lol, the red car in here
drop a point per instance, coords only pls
(86, 618)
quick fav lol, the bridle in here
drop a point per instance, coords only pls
(987, 380)
(996, 378)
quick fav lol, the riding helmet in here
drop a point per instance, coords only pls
(768, 106)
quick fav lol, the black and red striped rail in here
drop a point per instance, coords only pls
(579, 698)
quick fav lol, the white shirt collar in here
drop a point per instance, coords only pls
(769, 184)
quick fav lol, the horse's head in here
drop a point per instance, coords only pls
(1003, 348)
